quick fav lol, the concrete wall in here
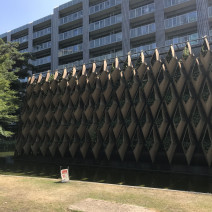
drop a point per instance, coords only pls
(202, 17)
(85, 30)
(159, 23)
(55, 39)
(30, 37)
(125, 27)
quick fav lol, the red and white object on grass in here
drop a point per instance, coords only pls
(64, 175)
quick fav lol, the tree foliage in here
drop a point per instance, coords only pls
(13, 65)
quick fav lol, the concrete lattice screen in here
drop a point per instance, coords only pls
(164, 106)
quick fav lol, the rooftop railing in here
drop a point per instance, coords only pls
(20, 29)
(69, 4)
(41, 20)
(3, 35)
(103, 6)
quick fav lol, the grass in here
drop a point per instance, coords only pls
(6, 154)
(41, 194)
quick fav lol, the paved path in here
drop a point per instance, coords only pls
(93, 205)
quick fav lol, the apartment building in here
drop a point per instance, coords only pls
(82, 31)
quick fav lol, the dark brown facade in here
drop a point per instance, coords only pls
(137, 112)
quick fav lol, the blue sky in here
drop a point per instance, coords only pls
(15, 13)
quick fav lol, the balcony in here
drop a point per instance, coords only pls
(142, 30)
(24, 50)
(147, 47)
(106, 40)
(106, 22)
(71, 65)
(70, 50)
(106, 57)
(69, 4)
(42, 20)
(21, 39)
(70, 34)
(140, 11)
(19, 29)
(181, 20)
(3, 35)
(42, 46)
(42, 32)
(170, 3)
(103, 6)
(42, 61)
(192, 38)
(71, 17)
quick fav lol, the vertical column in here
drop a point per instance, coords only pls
(54, 39)
(125, 8)
(30, 37)
(85, 31)
(202, 17)
(159, 23)
(9, 36)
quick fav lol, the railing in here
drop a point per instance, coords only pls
(103, 6)
(70, 34)
(106, 22)
(148, 53)
(142, 30)
(143, 48)
(20, 29)
(21, 39)
(192, 38)
(41, 20)
(71, 65)
(42, 32)
(170, 3)
(42, 61)
(71, 17)
(3, 35)
(24, 50)
(209, 12)
(106, 57)
(181, 20)
(70, 50)
(42, 46)
(69, 4)
(106, 40)
(149, 8)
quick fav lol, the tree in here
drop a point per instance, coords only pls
(13, 65)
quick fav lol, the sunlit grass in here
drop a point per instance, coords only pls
(41, 194)
(6, 154)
